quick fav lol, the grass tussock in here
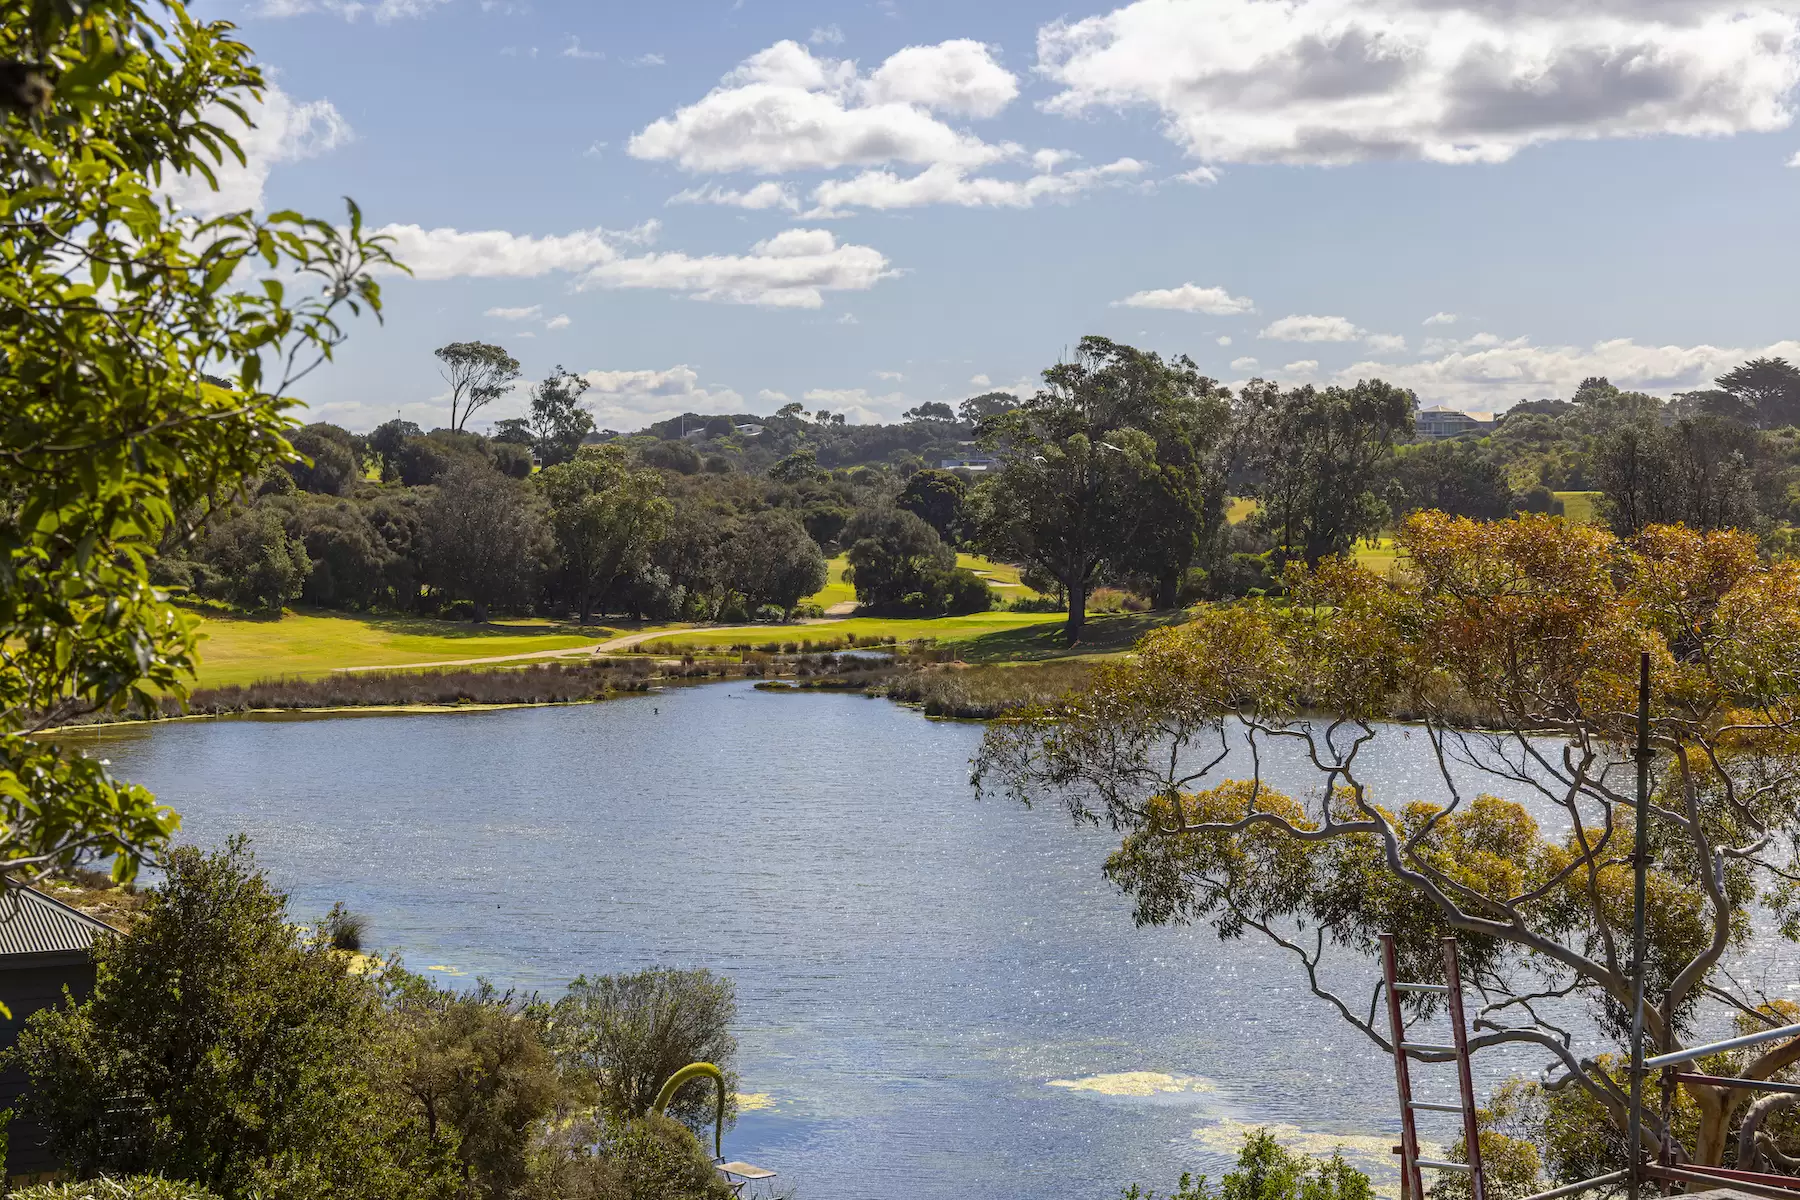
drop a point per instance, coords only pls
(984, 692)
(545, 683)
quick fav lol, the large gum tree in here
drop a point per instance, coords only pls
(1516, 646)
(145, 361)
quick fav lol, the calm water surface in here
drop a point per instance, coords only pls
(933, 990)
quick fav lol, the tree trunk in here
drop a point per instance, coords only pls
(1168, 587)
(1078, 591)
(1748, 1154)
(479, 611)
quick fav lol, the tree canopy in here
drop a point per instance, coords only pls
(1516, 644)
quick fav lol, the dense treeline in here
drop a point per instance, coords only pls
(1120, 472)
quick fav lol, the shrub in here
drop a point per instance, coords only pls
(345, 930)
(212, 979)
(650, 1158)
(1035, 604)
(251, 562)
(140, 1187)
(1267, 1170)
(629, 1033)
(808, 612)
(771, 613)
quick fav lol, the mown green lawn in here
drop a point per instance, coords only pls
(1002, 577)
(1578, 507)
(237, 649)
(837, 589)
(866, 629)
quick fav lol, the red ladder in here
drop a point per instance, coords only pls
(1411, 1183)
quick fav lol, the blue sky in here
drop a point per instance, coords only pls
(712, 205)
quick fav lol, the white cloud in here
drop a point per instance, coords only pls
(516, 314)
(790, 270)
(383, 11)
(1223, 339)
(782, 109)
(1441, 318)
(848, 318)
(1385, 343)
(572, 49)
(771, 396)
(958, 76)
(827, 35)
(858, 405)
(890, 376)
(594, 150)
(620, 398)
(495, 253)
(649, 60)
(283, 130)
(980, 381)
(1214, 301)
(1201, 176)
(950, 184)
(1312, 329)
(1305, 366)
(1243, 364)
(1794, 161)
(560, 321)
(1453, 81)
(1494, 376)
(767, 194)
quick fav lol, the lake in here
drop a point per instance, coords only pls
(940, 999)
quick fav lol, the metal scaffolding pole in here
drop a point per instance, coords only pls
(1641, 869)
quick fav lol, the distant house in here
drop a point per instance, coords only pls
(1438, 422)
(974, 463)
(45, 946)
(750, 430)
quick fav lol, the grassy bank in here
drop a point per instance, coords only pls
(983, 692)
(239, 650)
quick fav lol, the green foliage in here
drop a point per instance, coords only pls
(628, 1034)
(478, 374)
(249, 1058)
(112, 314)
(1082, 483)
(333, 465)
(483, 539)
(1267, 1170)
(797, 467)
(477, 1068)
(558, 422)
(1695, 472)
(140, 1187)
(771, 559)
(936, 497)
(1317, 454)
(893, 553)
(645, 1158)
(607, 517)
(251, 562)
(1456, 477)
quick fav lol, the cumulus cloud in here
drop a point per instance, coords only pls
(496, 253)
(1214, 301)
(793, 269)
(1794, 161)
(767, 194)
(771, 396)
(790, 270)
(784, 109)
(1491, 377)
(1452, 81)
(1385, 343)
(980, 381)
(858, 405)
(1311, 329)
(559, 321)
(1305, 366)
(957, 76)
(827, 35)
(1243, 364)
(1223, 339)
(282, 130)
(890, 376)
(947, 183)
(626, 399)
(1441, 318)
(530, 313)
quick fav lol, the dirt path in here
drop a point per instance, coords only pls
(609, 646)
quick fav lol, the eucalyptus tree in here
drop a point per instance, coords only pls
(607, 517)
(478, 373)
(1317, 453)
(1536, 628)
(118, 317)
(558, 422)
(1081, 480)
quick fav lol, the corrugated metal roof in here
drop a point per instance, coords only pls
(33, 923)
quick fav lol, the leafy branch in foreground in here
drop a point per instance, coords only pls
(118, 317)
(1536, 627)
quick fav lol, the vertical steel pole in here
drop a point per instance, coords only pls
(1411, 1182)
(1465, 1079)
(1641, 867)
